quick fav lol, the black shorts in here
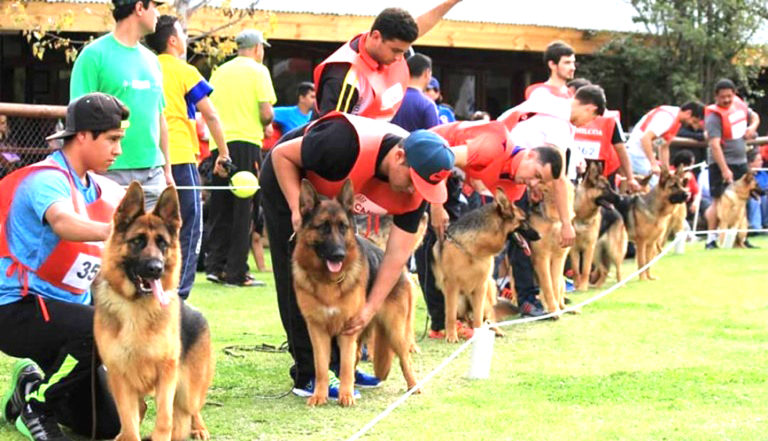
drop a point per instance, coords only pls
(716, 184)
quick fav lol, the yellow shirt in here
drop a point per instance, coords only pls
(240, 85)
(183, 87)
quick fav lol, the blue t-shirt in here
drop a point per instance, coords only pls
(445, 114)
(31, 239)
(288, 118)
(416, 111)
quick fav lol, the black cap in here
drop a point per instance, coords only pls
(94, 111)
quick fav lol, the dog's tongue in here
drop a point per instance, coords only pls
(333, 267)
(159, 292)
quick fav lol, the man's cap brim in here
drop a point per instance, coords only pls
(433, 193)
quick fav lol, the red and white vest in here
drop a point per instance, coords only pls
(672, 131)
(595, 142)
(381, 89)
(513, 190)
(372, 195)
(487, 149)
(560, 92)
(734, 118)
(71, 266)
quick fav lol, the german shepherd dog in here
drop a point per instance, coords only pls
(376, 228)
(547, 255)
(464, 259)
(649, 213)
(590, 194)
(149, 340)
(333, 271)
(732, 206)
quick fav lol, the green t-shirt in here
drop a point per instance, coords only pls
(239, 85)
(133, 75)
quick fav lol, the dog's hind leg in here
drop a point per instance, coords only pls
(399, 342)
(182, 423)
(383, 361)
(542, 268)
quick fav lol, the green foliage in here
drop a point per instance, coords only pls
(689, 45)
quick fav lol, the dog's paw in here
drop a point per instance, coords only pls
(202, 434)
(417, 391)
(317, 400)
(498, 332)
(415, 349)
(451, 338)
(346, 399)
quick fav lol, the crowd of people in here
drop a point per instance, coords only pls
(372, 114)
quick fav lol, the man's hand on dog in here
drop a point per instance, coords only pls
(218, 168)
(567, 235)
(357, 323)
(438, 217)
(727, 175)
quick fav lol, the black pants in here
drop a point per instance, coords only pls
(277, 217)
(229, 218)
(64, 349)
(433, 297)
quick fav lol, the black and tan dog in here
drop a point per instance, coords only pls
(150, 341)
(732, 206)
(333, 270)
(590, 194)
(648, 216)
(463, 264)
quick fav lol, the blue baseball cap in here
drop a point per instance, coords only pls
(430, 161)
(433, 84)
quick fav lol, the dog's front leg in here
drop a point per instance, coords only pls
(347, 353)
(164, 393)
(321, 348)
(451, 311)
(127, 402)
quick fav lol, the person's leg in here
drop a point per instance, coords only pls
(64, 349)
(764, 211)
(243, 156)
(190, 207)
(432, 296)
(753, 214)
(716, 188)
(218, 225)
(153, 182)
(522, 267)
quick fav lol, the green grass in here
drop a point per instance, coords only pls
(681, 358)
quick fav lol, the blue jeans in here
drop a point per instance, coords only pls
(754, 213)
(191, 208)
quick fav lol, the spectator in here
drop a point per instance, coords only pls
(185, 91)
(756, 208)
(685, 158)
(288, 118)
(444, 111)
(46, 317)
(417, 111)
(117, 64)
(243, 95)
(560, 58)
(480, 115)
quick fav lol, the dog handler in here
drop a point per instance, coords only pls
(54, 216)
(392, 172)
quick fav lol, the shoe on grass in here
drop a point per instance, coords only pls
(37, 423)
(366, 381)
(436, 335)
(712, 245)
(333, 388)
(747, 244)
(528, 309)
(24, 378)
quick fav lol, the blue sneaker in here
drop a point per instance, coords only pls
(569, 285)
(333, 388)
(366, 381)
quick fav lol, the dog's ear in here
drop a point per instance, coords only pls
(502, 203)
(167, 209)
(347, 196)
(664, 173)
(594, 170)
(131, 207)
(308, 198)
(645, 180)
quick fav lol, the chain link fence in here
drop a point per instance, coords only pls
(23, 129)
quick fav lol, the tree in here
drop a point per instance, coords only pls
(689, 45)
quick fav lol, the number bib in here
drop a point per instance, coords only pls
(82, 272)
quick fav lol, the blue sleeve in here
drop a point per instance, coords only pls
(42, 189)
(200, 90)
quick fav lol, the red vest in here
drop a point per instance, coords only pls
(595, 142)
(554, 90)
(71, 266)
(734, 118)
(380, 88)
(513, 190)
(672, 131)
(372, 195)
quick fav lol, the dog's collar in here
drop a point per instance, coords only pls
(458, 244)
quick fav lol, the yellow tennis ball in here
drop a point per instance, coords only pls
(247, 180)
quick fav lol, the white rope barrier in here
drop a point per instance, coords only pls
(681, 236)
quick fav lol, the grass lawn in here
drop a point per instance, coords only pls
(681, 358)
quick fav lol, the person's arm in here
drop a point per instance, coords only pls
(754, 119)
(646, 142)
(206, 108)
(266, 114)
(399, 247)
(166, 152)
(85, 75)
(626, 166)
(286, 160)
(333, 93)
(429, 19)
(69, 225)
(664, 154)
(717, 153)
(438, 218)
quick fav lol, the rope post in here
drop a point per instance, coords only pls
(730, 238)
(680, 239)
(482, 353)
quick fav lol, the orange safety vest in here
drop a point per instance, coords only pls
(381, 89)
(672, 131)
(372, 195)
(554, 90)
(734, 118)
(71, 266)
(487, 149)
(595, 143)
(506, 180)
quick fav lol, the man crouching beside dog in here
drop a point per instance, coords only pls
(391, 172)
(53, 217)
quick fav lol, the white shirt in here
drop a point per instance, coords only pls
(659, 124)
(540, 130)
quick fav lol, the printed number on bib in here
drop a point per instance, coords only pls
(83, 271)
(589, 149)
